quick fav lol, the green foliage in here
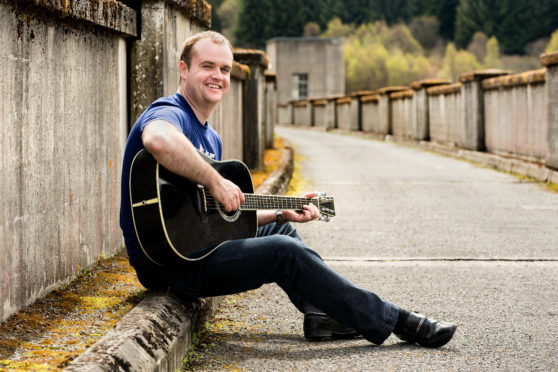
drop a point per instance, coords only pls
(553, 43)
(227, 14)
(200, 346)
(492, 59)
(477, 46)
(513, 22)
(425, 31)
(457, 62)
(215, 18)
(253, 27)
(311, 29)
(377, 55)
(336, 28)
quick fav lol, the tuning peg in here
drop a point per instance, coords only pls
(320, 193)
(325, 218)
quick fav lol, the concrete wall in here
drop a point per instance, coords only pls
(488, 110)
(320, 58)
(63, 119)
(227, 118)
(76, 75)
(320, 114)
(515, 117)
(444, 106)
(302, 114)
(370, 113)
(270, 115)
(550, 60)
(402, 113)
(253, 133)
(284, 112)
(154, 68)
(343, 113)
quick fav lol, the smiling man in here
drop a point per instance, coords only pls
(173, 129)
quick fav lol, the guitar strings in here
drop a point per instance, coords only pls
(257, 201)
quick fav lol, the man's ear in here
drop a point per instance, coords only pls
(183, 68)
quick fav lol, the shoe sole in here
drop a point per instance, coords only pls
(324, 335)
(441, 341)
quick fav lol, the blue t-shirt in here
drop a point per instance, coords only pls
(175, 110)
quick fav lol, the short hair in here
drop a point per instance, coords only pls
(186, 54)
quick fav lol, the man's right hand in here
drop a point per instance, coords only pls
(176, 153)
(227, 193)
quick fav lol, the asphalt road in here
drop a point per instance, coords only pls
(429, 233)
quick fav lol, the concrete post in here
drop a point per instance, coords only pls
(384, 108)
(356, 109)
(421, 125)
(165, 24)
(472, 99)
(290, 111)
(309, 113)
(550, 60)
(331, 112)
(270, 116)
(253, 133)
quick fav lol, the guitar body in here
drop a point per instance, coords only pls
(170, 214)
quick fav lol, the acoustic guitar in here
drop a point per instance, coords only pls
(175, 218)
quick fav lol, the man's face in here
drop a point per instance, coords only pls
(207, 80)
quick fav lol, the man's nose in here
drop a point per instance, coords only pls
(217, 73)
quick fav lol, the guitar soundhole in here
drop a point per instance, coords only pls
(228, 216)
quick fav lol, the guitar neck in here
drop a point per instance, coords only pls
(255, 202)
(260, 202)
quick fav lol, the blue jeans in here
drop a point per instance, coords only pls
(277, 255)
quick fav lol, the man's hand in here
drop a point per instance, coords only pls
(227, 193)
(175, 152)
(309, 212)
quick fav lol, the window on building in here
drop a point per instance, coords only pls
(299, 86)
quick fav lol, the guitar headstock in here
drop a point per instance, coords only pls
(325, 205)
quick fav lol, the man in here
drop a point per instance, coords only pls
(173, 129)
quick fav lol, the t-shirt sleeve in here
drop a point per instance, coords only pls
(169, 114)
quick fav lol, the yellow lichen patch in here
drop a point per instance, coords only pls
(47, 335)
(298, 184)
(272, 159)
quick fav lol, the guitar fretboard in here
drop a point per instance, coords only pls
(258, 202)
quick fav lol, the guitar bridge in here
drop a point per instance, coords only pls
(202, 204)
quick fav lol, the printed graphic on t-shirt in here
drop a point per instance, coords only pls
(205, 152)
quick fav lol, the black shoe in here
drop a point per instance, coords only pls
(319, 327)
(425, 331)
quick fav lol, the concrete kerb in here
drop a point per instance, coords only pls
(508, 164)
(156, 334)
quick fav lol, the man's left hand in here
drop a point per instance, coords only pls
(309, 212)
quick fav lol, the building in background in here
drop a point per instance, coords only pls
(307, 67)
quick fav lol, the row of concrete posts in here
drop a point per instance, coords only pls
(75, 76)
(488, 110)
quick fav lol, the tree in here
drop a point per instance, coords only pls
(513, 22)
(336, 28)
(457, 62)
(311, 29)
(425, 30)
(553, 43)
(215, 19)
(472, 16)
(477, 46)
(448, 71)
(252, 28)
(227, 13)
(492, 59)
